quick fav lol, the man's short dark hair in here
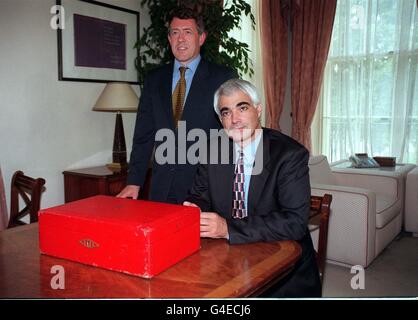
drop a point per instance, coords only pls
(184, 12)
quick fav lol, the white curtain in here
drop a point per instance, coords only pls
(369, 99)
(252, 38)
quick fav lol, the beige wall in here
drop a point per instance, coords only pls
(46, 125)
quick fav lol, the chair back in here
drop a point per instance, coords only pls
(320, 212)
(320, 171)
(29, 190)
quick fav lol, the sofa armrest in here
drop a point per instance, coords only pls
(340, 162)
(390, 184)
(352, 224)
(411, 202)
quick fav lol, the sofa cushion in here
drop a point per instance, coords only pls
(387, 208)
(320, 171)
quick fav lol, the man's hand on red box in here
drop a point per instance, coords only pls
(130, 191)
(190, 204)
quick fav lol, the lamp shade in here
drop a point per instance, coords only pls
(117, 96)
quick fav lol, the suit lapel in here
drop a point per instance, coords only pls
(224, 182)
(258, 181)
(197, 86)
(166, 94)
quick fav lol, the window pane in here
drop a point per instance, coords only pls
(385, 25)
(381, 133)
(383, 83)
(411, 149)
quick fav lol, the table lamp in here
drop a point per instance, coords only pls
(117, 97)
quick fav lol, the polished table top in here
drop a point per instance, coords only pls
(218, 270)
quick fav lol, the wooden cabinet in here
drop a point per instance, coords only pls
(87, 182)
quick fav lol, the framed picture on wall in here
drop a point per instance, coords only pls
(96, 42)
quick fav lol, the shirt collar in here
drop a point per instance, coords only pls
(192, 65)
(249, 150)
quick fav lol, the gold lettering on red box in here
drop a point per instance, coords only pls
(88, 243)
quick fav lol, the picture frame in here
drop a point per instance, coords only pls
(96, 42)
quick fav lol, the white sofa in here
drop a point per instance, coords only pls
(366, 210)
(411, 202)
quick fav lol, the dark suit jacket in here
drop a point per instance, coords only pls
(278, 205)
(155, 112)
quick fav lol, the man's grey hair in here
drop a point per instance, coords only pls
(230, 87)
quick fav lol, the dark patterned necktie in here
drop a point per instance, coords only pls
(179, 94)
(238, 197)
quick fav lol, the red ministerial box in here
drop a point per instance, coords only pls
(137, 237)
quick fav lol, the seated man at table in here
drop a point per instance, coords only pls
(265, 196)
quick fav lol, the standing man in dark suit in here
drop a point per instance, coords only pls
(171, 181)
(265, 196)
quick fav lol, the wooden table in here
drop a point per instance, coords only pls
(217, 270)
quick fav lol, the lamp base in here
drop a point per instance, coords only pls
(114, 166)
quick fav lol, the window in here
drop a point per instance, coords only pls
(369, 98)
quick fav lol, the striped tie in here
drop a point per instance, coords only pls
(178, 96)
(238, 205)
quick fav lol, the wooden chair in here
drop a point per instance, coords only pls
(29, 190)
(320, 212)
